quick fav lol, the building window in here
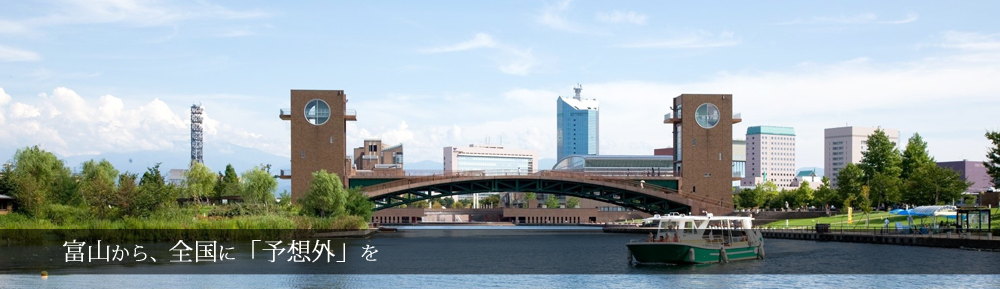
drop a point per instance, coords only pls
(317, 112)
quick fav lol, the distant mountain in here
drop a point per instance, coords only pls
(546, 164)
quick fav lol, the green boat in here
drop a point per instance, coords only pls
(685, 239)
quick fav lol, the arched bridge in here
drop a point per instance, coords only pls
(623, 192)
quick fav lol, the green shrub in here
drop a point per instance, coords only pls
(66, 215)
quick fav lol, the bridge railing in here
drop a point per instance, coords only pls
(417, 177)
(564, 174)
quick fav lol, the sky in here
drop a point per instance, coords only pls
(85, 77)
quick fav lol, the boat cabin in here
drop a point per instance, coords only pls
(699, 229)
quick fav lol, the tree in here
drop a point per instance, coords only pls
(230, 182)
(933, 185)
(127, 193)
(751, 198)
(887, 188)
(436, 205)
(257, 187)
(326, 196)
(490, 201)
(849, 182)
(551, 202)
(572, 202)
(881, 156)
(528, 197)
(446, 202)
(285, 199)
(803, 195)
(153, 192)
(200, 181)
(865, 202)
(825, 195)
(7, 184)
(359, 205)
(35, 175)
(420, 204)
(914, 156)
(881, 166)
(769, 193)
(98, 186)
(993, 157)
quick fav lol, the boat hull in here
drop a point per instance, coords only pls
(681, 253)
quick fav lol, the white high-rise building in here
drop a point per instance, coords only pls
(843, 145)
(488, 160)
(770, 156)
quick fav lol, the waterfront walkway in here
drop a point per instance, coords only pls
(977, 241)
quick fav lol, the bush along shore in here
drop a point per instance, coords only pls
(49, 199)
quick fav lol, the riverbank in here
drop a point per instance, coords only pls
(977, 241)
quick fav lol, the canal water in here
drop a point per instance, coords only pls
(540, 257)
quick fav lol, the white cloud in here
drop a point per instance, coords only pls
(4, 97)
(971, 40)
(8, 53)
(511, 60)
(10, 27)
(861, 18)
(70, 124)
(910, 17)
(925, 96)
(554, 16)
(697, 39)
(141, 13)
(517, 61)
(19, 110)
(937, 97)
(480, 40)
(138, 12)
(621, 17)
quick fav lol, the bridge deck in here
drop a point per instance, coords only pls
(623, 183)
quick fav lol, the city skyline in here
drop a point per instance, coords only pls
(97, 77)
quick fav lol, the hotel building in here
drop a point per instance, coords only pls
(843, 145)
(770, 156)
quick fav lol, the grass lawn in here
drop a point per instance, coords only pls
(877, 220)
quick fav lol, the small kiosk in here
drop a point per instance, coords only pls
(973, 219)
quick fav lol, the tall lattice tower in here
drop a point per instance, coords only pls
(197, 136)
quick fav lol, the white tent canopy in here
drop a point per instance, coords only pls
(927, 211)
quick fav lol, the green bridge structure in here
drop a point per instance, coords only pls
(650, 194)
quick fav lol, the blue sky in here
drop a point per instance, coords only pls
(88, 77)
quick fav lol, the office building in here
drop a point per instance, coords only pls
(770, 156)
(972, 171)
(374, 154)
(843, 145)
(486, 160)
(577, 125)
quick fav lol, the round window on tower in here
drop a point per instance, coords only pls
(317, 112)
(707, 115)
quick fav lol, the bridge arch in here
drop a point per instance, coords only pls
(630, 194)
